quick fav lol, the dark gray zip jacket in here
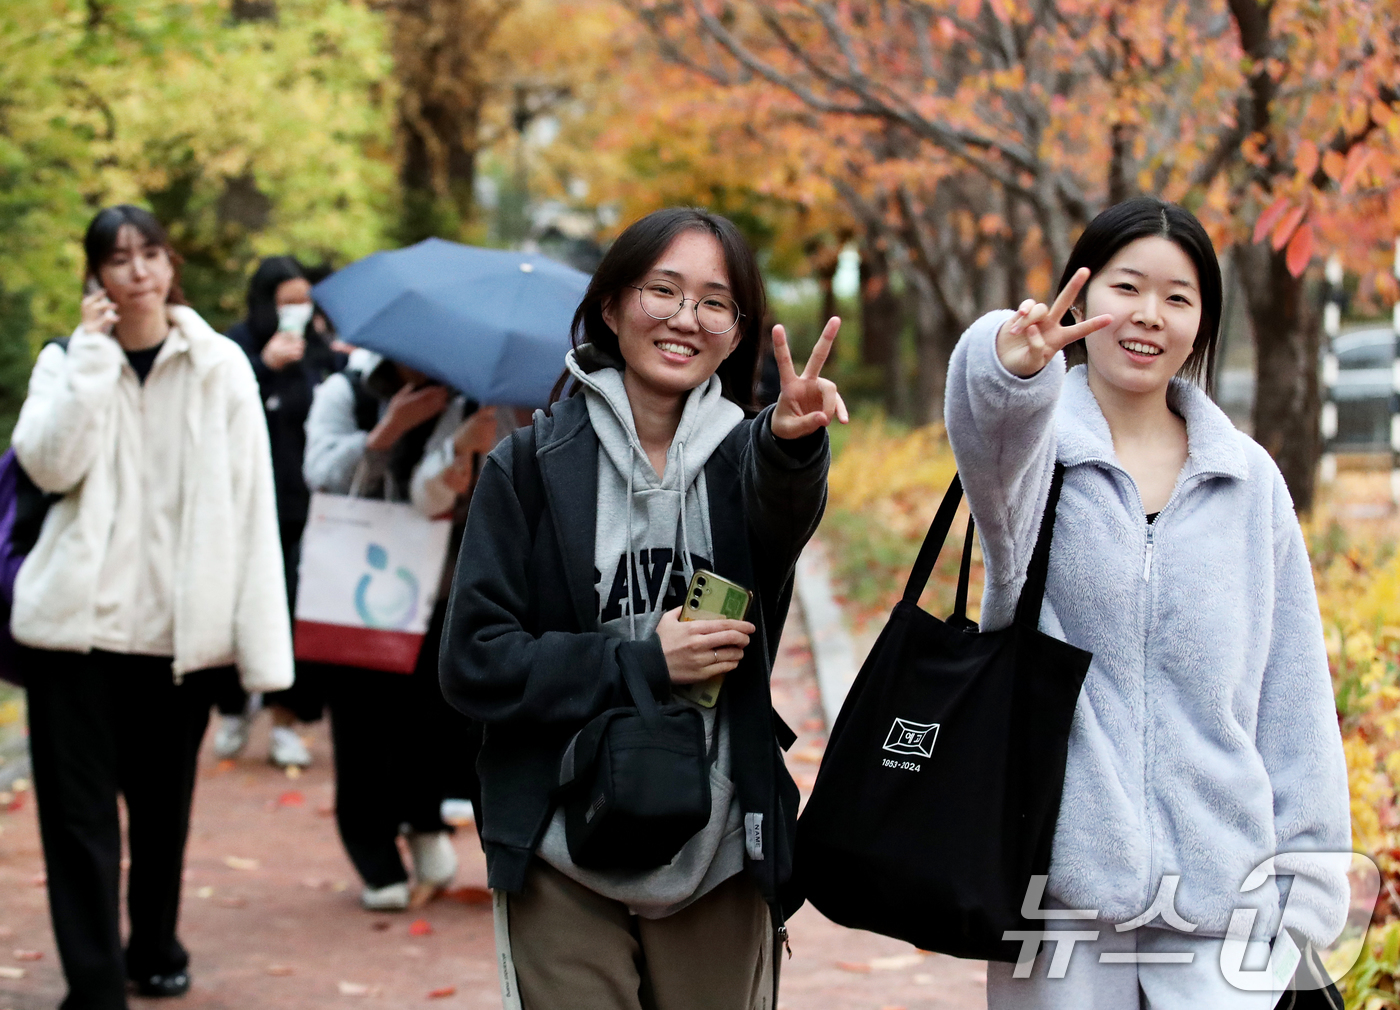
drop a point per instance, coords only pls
(523, 651)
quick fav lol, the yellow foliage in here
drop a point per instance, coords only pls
(900, 477)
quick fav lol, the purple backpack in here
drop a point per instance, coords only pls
(23, 508)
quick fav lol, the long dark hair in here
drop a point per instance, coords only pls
(635, 252)
(1149, 217)
(262, 295)
(101, 238)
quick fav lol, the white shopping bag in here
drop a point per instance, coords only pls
(367, 582)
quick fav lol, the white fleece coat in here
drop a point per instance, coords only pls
(227, 590)
(1205, 739)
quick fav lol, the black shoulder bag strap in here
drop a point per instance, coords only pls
(1033, 592)
(933, 546)
(525, 475)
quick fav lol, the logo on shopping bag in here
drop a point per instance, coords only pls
(907, 737)
(384, 600)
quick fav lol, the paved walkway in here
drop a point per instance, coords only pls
(271, 918)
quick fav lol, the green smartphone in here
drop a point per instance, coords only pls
(711, 597)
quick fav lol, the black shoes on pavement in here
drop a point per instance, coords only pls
(177, 983)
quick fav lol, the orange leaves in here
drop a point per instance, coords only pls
(1300, 250)
(1287, 225)
(1282, 223)
(1334, 164)
(1271, 216)
(1306, 159)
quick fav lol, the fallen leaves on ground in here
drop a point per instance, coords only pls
(241, 863)
(895, 962)
(469, 895)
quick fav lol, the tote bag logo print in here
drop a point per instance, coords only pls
(393, 606)
(914, 738)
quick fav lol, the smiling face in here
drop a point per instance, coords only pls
(137, 274)
(1152, 291)
(670, 357)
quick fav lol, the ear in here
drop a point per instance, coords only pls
(609, 313)
(734, 344)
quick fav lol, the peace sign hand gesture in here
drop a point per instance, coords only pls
(1030, 338)
(807, 401)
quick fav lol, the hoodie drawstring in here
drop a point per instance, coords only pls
(631, 605)
(685, 538)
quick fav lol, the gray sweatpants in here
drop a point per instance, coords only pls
(567, 946)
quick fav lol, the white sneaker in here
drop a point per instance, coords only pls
(287, 748)
(231, 736)
(457, 813)
(393, 898)
(434, 858)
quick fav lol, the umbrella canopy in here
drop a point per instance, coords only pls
(490, 323)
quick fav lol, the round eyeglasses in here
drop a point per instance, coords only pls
(714, 312)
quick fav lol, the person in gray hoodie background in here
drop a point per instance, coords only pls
(1205, 739)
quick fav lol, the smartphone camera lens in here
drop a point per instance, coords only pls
(700, 581)
(694, 604)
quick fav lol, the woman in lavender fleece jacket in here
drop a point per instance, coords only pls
(1205, 739)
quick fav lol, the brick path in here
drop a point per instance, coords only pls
(271, 918)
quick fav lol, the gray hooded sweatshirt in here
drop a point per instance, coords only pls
(652, 533)
(1205, 739)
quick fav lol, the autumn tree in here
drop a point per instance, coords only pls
(1306, 150)
(982, 134)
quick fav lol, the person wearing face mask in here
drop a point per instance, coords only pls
(291, 358)
(157, 566)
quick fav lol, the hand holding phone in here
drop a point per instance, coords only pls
(713, 602)
(99, 312)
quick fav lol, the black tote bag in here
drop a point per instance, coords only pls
(937, 798)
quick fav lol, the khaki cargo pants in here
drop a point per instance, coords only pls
(560, 945)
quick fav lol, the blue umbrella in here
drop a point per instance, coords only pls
(490, 323)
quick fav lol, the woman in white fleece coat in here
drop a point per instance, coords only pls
(158, 561)
(1205, 739)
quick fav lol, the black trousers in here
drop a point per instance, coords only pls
(400, 750)
(99, 725)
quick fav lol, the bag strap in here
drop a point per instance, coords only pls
(1033, 592)
(525, 475)
(964, 576)
(933, 542)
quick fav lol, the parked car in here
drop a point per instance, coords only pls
(1363, 391)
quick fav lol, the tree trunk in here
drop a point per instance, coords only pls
(936, 332)
(882, 325)
(1287, 401)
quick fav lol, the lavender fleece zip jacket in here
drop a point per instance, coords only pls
(1205, 739)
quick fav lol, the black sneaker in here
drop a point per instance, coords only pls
(177, 983)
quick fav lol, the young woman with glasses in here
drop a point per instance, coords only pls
(653, 468)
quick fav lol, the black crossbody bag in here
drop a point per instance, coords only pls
(635, 783)
(937, 799)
